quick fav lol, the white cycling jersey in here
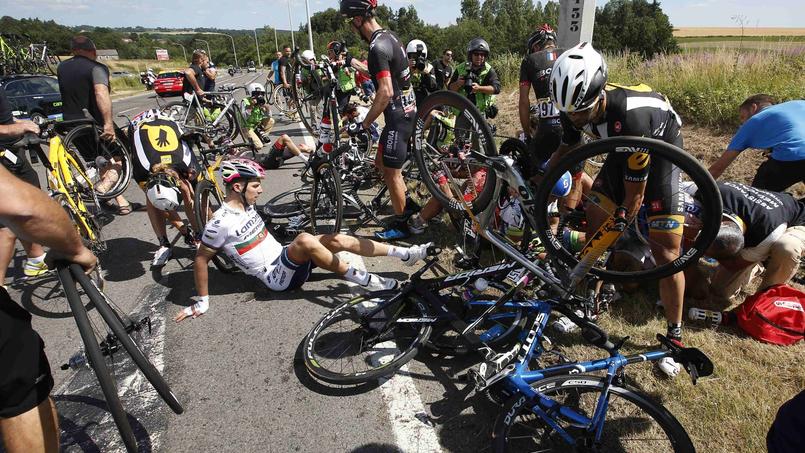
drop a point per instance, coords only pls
(242, 236)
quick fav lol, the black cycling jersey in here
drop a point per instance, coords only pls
(443, 73)
(387, 58)
(285, 65)
(535, 71)
(187, 87)
(761, 211)
(159, 141)
(6, 117)
(637, 111)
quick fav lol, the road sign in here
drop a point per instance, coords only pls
(576, 19)
(162, 55)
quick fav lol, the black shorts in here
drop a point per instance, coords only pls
(26, 380)
(664, 205)
(276, 156)
(777, 175)
(393, 145)
(545, 141)
(21, 169)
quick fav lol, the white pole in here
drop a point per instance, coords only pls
(309, 28)
(257, 44)
(290, 23)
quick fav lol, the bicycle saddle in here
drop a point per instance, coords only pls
(695, 361)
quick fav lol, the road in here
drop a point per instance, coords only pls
(237, 369)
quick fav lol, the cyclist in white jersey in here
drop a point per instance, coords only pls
(237, 231)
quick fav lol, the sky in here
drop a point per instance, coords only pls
(243, 14)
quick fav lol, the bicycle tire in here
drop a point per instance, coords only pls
(291, 203)
(207, 202)
(518, 405)
(707, 194)
(96, 359)
(113, 320)
(308, 102)
(470, 123)
(281, 100)
(326, 201)
(419, 333)
(117, 150)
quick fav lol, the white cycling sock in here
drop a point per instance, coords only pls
(359, 276)
(38, 259)
(303, 156)
(399, 252)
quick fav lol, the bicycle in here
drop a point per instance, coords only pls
(102, 344)
(307, 93)
(221, 118)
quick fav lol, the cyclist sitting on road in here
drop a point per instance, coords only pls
(476, 78)
(423, 78)
(164, 167)
(588, 103)
(780, 128)
(237, 231)
(258, 114)
(194, 78)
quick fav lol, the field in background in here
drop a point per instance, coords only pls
(682, 32)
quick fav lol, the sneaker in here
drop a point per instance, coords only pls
(34, 269)
(162, 256)
(392, 234)
(417, 253)
(378, 283)
(564, 325)
(417, 225)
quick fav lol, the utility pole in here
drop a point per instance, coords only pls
(309, 28)
(290, 23)
(276, 44)
(183, 50)
(209, 54)
(576, 20)
(257, 44)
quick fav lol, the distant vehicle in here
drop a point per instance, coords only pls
(33, 97)
(116, 74)
(169, 82)
(251, 68)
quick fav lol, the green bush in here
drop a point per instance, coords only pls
(126, 83)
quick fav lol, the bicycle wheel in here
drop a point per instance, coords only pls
(96, 359)
(326, 202)
(497, 329)
(309, 105)
(448, 127)
(347, 348)
(89, 230)
(115, 323)
(52, 63)
(111, 170)
(207, 202)
(282, 100)
(635, 249)
(185, 114)
(633, 422)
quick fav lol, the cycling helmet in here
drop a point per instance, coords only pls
(336, 47)
(417, 46)
(308, 57)
(163, 191)
(255, 88)
(542, 35)
(578, 78)
(477, 45)
(355, 8)
(234, 169)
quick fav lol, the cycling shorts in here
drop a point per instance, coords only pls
(285, 275)
(393, 145)
(276, 156)
(662, 198)
(26, 380)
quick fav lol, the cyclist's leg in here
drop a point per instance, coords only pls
(394, 149)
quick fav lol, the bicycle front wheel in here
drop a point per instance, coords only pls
(661, 221)
(207, 202)
(347, 346)
(283, 100)
(326, 202)
(112, 161)
(633, 422)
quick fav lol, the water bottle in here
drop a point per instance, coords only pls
(471, 292)
(78, 360)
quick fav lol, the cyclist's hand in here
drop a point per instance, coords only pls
(84, 258)
(200, 93)
(286, 85)
(28, 126)
(108, 132)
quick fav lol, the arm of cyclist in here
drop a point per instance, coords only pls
(191, 77)
(382, 97)
(18, 128)
(201, 276)
(35, 217)
(523, 108)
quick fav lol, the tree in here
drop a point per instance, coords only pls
(634, 25)
(470, 10)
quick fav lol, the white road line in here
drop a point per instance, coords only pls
(401, 397)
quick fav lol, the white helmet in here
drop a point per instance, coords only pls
(163, 192)
(578, 78)
(255, 87)
(417, 46)
(307, 57)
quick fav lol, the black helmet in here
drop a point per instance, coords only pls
(477, 45)
(355, 8)
(542, 35)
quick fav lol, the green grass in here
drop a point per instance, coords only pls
(738, 38)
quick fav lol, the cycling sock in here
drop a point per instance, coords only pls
(399, 252)
(571, 239)
(359, 276)
(38, 259)
(674, 331)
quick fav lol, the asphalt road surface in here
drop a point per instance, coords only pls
(237, 369)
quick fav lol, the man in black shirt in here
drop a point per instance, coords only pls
(443, 69)
(286, 71)
(194, 75)
(388, 66)
(84, 84)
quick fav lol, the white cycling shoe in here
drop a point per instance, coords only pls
(669, 367)
(161, 256)
(417, 253)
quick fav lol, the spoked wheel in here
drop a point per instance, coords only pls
(111, 170)
(207, 202)
(326, 203)
(366, 338)
(661, 226)
(283, 100)
(633, 422)
(288, 214)
(307, 96)
(52, 62)
(497, 329)
(448, 129)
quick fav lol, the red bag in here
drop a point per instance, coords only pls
(776, 315)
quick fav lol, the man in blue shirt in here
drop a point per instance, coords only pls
(780, 128)
(275, 69)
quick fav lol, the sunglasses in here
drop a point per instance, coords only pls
(479, 54)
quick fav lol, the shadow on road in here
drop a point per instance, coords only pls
(76, 432)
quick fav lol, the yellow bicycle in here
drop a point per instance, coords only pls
(69, 181)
